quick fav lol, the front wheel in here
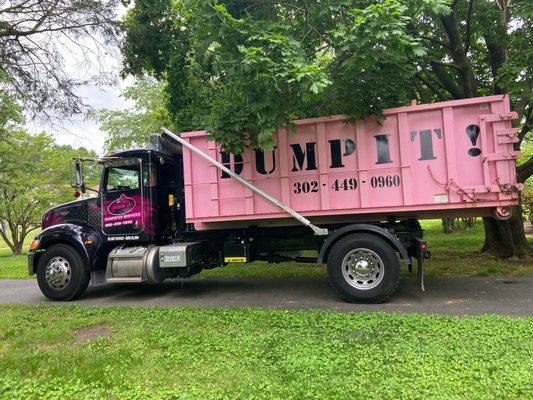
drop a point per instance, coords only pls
(363, 268)
(62, 274)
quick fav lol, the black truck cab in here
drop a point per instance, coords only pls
(139, 201)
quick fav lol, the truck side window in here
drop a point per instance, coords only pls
(150, 176)
(121, 178)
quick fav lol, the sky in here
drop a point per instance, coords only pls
(77, 130)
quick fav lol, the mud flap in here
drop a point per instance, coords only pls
(420, 265)
(421, 252)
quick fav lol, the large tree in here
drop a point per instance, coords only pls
(49, 47)
(24, 195)
(241, 68)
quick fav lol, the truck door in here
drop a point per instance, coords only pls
(123, 199)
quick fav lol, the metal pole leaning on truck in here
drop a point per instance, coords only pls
(300, 218)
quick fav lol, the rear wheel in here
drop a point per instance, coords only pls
(62, 273)
(363, 268)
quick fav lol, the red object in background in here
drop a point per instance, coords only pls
(77, 194)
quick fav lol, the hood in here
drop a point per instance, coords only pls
(73, 211)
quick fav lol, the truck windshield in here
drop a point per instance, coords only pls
(124, 177)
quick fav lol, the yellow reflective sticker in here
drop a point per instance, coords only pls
(235, 259)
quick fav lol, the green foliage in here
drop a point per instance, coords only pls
(10, 110)
(242, 354)
(10, 114)
(241, 69)
(527, 203)
(131, 128)
(34, 175)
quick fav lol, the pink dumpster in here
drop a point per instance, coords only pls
(452, 158)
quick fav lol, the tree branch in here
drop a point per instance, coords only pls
(497, 51)
(430, 86)
(445, 64)
(459, 56)
(447, 82)
(468, 25)
(435, 41)
(6, 239)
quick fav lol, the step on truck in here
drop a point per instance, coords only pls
(349, 193)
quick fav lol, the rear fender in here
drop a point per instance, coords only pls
(378, 231)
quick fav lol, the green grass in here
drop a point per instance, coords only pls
(242, 354)
(14, 267)
(458, 254)
(455, 254)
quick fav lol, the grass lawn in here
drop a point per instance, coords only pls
(125, 353)
(455, 254)
(14, 267)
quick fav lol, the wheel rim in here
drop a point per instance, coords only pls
(58, 273)
(363, 269)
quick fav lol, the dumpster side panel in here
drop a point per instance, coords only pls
(451, 155)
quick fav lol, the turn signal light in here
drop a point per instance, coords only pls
(34, 244)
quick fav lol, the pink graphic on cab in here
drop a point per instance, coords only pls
(128, 215)
(121, 206)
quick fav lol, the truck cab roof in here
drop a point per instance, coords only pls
(134, 153)
(139, 153)
(160, 146)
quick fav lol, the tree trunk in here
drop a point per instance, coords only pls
(17, 249)
(448, 225)
(6, 240)
(15, 241)
(506, 239)
(18, 244)
(469, 222)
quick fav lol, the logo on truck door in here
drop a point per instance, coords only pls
(121, 206)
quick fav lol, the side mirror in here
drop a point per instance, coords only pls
(79, 176)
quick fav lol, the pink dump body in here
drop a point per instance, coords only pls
(427, 161)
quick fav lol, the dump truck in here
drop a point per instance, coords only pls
(348, 194)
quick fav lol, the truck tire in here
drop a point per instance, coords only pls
(62, 274)
(363, 268)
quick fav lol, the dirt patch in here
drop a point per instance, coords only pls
(45, 346)
(84, 335)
